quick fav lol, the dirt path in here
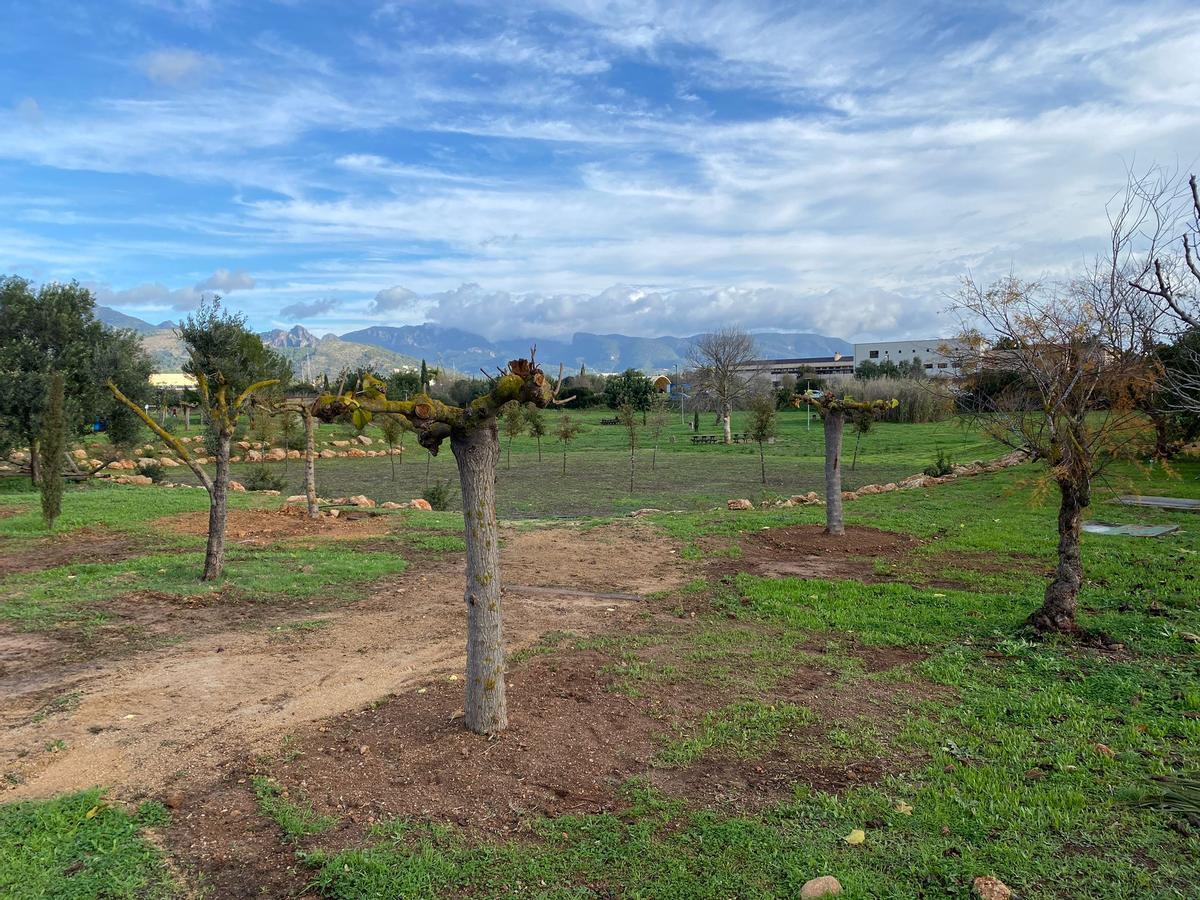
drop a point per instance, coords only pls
(142, 723)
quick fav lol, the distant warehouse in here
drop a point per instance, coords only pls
(938, 356)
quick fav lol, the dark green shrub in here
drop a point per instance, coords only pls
(438, 494)
(153, 471)
(262, 479)
(940, 467)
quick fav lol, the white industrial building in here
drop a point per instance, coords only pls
(940, 356)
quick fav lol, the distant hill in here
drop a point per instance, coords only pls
(117, 319)
(311, 356)
(386, 348)
(457, 349)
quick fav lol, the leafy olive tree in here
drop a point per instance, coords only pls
(862, 421)
(535, 422)
(393, 434)
(514, 424)
(231, 367)
(565, 431)
(763, 425)
(474, 439)
(54, 329)
(630, 388)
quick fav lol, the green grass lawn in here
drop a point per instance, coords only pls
(680, 475)
(1026, 759)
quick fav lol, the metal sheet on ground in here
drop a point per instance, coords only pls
(1130, 530)
(1160, 502)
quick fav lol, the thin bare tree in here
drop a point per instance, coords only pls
(724, 369)
(1076, 352)
(1156, 241)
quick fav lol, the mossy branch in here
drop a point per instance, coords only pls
(434, 421)
(169, 439)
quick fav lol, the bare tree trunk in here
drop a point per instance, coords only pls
(762, 462)
(1057, 612)
(631, 464)
(726, 415)
(835, 419)
(214, 554)
(35, 464)
(310, 464)
(1162, 443)
(564, 471)
(857, 440)
(654, 456)
(477, 451)
(539, 440)
(392, 457)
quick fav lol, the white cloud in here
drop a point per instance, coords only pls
(155, 295)
(174, 66)
(223, 280)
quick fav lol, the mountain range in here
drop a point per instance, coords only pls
(465, 351)
(385, 348)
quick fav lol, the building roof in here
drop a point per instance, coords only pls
(176, 380)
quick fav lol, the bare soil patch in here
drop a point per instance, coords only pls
(861, 554)
(90, 545)
(263, 526)
(572, 741)
(35, 668)
(175, 713)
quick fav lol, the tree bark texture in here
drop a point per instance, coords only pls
(214, 553)
(35, 465)
(310, 464)
(1057, 613)
(726, 423)
(835, 420)
(477, 452)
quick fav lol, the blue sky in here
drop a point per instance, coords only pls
(537, 169)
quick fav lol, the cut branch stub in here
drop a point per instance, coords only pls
(435, 421)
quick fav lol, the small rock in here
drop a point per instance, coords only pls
(825, 886)
(988, 887)
(173, 800)
(391, 504)
(361, 500)
(237, 487)
(420, 503)
(739, 504)
(1105, 750)
(1189, 637)
(364, 440)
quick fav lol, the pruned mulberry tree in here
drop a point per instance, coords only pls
(474, 440)
(833, 410)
